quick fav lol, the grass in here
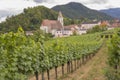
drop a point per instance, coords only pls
(93, 69)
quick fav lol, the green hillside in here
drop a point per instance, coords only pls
(78, 11)
(30, 19)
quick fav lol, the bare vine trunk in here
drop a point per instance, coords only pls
(62, 69)
(36, 75)
(43, 75)
(48, 74)
(56, 75)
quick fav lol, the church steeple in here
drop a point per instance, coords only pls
(60, 18)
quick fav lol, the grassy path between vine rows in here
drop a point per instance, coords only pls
(93, 69)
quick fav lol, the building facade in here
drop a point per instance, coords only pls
(56, 27)
(89, 25)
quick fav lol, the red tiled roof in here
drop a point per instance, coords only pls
(53, 24)
(69, 27)
(95, 22)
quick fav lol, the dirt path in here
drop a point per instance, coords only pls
(93, 69)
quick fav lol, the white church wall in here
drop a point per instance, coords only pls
(44, 28)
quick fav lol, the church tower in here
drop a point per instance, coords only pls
(60, 18)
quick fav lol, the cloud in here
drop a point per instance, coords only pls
(5, 13)
(109, 6)
(89, 3)
(2, 19)
(42, 1)
(99, 1)
(65, 1)
(19, 5)
(92, 2)
(12, 7)
(16, 4)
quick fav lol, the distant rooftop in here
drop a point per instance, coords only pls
(90, 22)
(53, 24)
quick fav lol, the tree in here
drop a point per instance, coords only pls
(97, 28)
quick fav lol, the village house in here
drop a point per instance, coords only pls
(28, 33)
(89, 25)
(71, 29)
(115, 23)
(82, 31)
(111, 24)
(57, 28)
(86, 26)
(105, 23)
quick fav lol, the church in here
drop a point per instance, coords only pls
(57, 28)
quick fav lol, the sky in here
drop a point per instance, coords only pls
(11, 7)
(20, 4)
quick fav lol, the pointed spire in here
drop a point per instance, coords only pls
(60, 14)
(60, 18)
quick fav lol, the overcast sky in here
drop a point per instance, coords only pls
(20, 4)
(12, 7)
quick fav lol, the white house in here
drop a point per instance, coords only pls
(89, 25)
(82, 31)
(28, 33)
(70, 29)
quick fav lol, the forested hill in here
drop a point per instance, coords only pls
(30, 19)
(78, 11)
(115, 12)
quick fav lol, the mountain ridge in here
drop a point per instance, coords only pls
(115, 12)
(79, 11)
